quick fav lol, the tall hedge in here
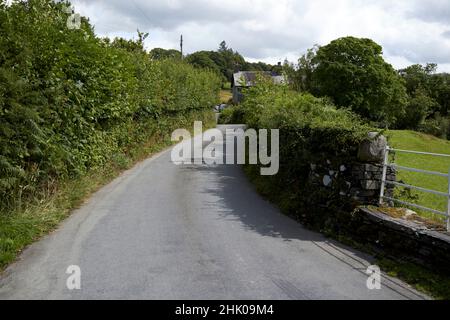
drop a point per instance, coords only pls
(70, 100)
(312, 133)
(311, 128)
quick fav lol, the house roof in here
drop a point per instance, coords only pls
(248, 78)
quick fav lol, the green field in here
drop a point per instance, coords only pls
(416, 141)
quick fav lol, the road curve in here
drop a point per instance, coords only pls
(162, 231)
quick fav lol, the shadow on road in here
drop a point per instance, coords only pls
(240, 202)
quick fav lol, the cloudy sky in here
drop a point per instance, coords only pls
(410, 31)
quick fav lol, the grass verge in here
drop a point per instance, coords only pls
(35, 219)
(431, 283)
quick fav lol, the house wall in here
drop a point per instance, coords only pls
(237, 95)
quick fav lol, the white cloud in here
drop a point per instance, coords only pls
(410, 31)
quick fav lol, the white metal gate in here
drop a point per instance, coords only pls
(384, 182)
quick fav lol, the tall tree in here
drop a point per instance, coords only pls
(301, 76)
(418, 77)
(354, 74)
(223, 47)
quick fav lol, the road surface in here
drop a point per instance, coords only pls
(162, 231)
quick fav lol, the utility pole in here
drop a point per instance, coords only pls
(181, 46)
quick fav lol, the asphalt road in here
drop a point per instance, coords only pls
(162, 231)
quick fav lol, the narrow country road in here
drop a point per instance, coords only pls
(162, 231)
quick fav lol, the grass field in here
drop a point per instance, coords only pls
(416, 141)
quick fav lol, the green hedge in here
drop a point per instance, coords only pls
(312, 131)
(69, 101)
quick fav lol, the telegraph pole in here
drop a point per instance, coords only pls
(181, 46)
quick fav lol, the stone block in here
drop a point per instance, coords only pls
(370, 184)
(372, 149)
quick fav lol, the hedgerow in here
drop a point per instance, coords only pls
(312, 132)
(70, 101)
(310, 127)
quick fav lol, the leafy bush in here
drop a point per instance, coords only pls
(437, 126)
(315, 121)
(69, 101)
(312, 132)
(231, 115)
(419, 107)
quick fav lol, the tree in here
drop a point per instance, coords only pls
(425, 79)
(130, 45)
(301, 76)
(441, 92)
(141, 37)
(257, 66)
(420, 106)
(226, 61)
(202, 59)
(418, 77)
(161, 54)
(354, 74)
(230, 60)
(223, 47)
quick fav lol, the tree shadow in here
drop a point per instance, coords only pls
(239, 201)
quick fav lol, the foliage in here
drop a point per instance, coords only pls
(22, 226)
(418, 77)
(130, 45)
(301, 76)
(354, 74)
(161, 54)
(203, 60)
(225, 96)
(441, 92)
(226, 61)
(429, 99)
(420, 106)
(70, 101)
(437, 126)
(276, 106)
(312, 131)
(233, 115)
(430, 282)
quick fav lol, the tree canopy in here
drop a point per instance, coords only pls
(354, 74)
(161, 54)
(226, 61)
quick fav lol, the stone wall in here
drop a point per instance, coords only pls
(360, 178)
(402, 239)
(360, 181)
